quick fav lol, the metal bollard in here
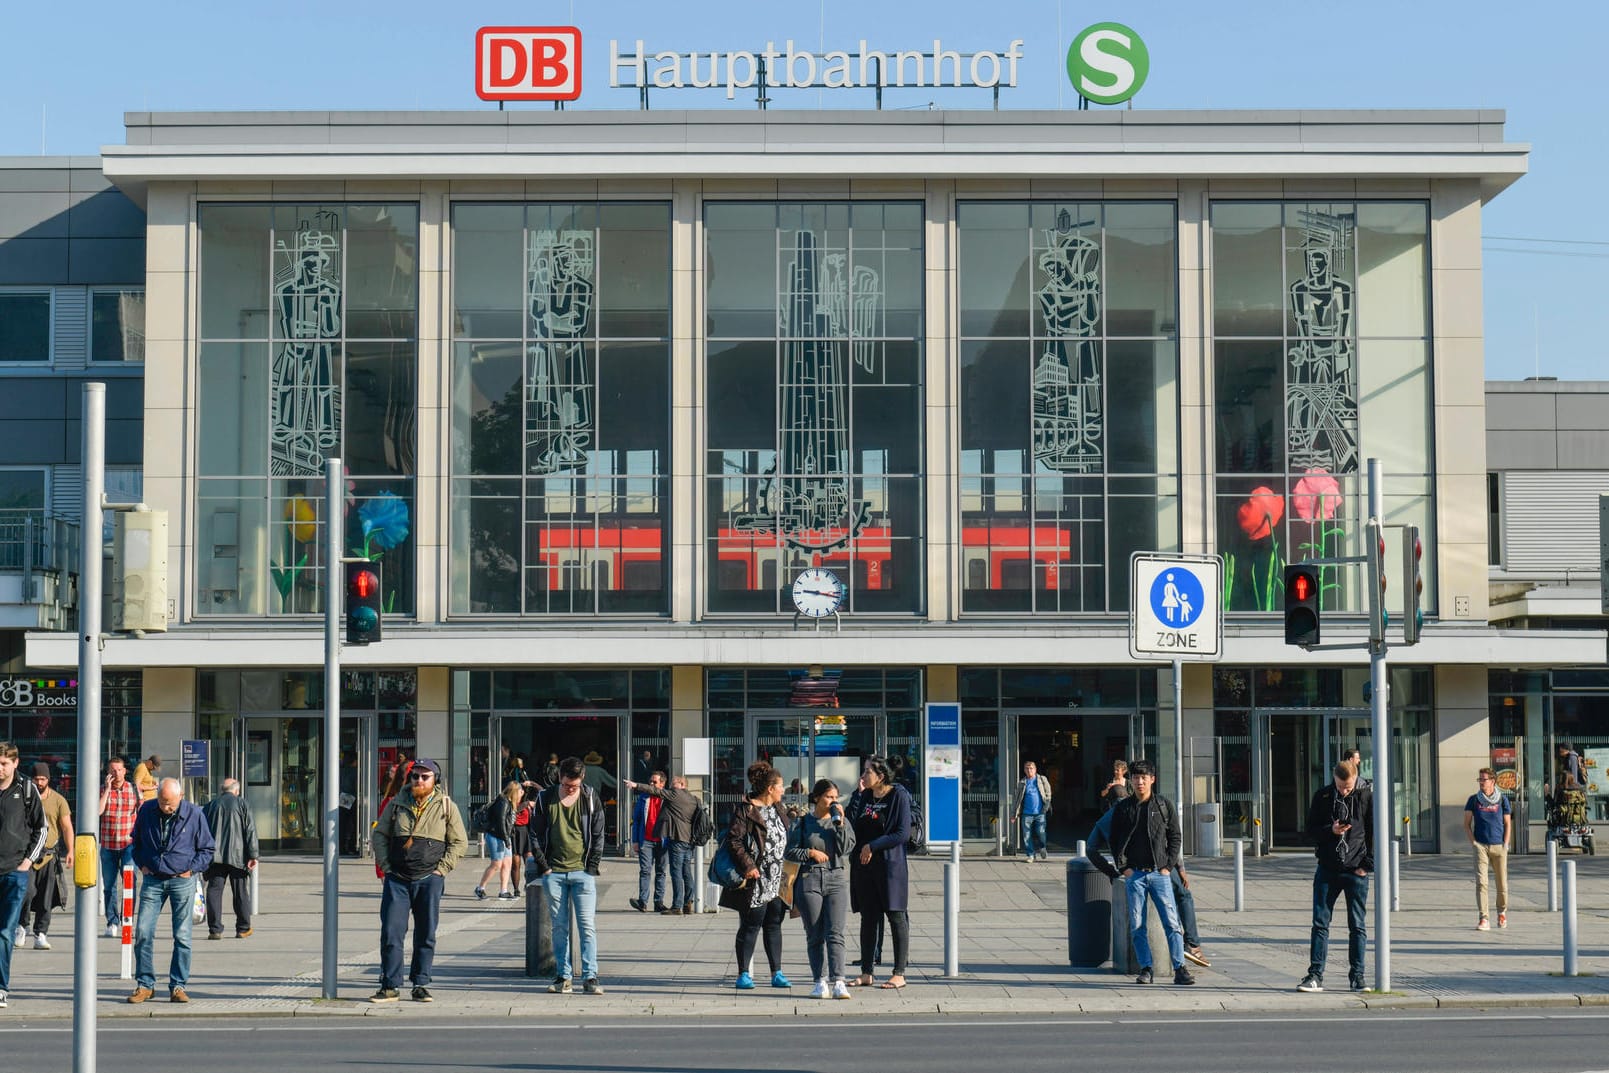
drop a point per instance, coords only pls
(952, 913)
(1080, 850)
(1553, 876)
(1239, 875)
(1569, 920)
(700, 881)
(1396, 875)
(256, 902)
(999, 838)
(1407, 836)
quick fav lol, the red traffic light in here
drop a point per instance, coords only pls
(364, 584)
(1301, 586)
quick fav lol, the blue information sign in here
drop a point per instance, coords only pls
(195, 758)
(942, 777)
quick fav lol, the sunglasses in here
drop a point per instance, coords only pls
(421, 775)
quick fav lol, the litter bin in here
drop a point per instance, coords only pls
(1209, 830)
(539, 960)
(1089, 915)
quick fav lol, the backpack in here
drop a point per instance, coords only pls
(480, 816)
(917, 842)
(703, 826)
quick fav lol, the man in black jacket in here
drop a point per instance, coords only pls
(676, 827)
(1341, 822)
(1145, 840)
(22, 841)
(567, 831)
(235, 834)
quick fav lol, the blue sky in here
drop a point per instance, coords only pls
(73, 70)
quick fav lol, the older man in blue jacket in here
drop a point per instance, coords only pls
(172, 847)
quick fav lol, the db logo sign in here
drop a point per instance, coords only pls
(528, 63)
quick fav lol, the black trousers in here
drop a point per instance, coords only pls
(899, 922)
(754, 921)
(239, 881)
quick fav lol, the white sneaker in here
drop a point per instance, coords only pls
(113, 931)
(41, 942)
(840, 989)
(21, 936)
(820, 990)
(2, 1000)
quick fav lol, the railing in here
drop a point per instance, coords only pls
(33, 540)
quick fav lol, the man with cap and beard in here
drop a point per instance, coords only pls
(47, 886)
(418, 840)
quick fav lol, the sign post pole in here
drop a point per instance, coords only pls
(942, 778)
(334, 486)
(85, 920)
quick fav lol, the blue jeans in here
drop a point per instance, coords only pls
(180, 894)
(1033, 834)
(1328, 885)
(401, 899)
(682, 890)
(653, 863)
(1186, 904)
(1159, 889)
(13, 893)
(112, 862)
(580, 890)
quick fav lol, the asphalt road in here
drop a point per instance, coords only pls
(1562, 1041)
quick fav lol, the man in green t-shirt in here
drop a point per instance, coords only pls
(567, 828)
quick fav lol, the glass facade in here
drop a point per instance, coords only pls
(308, 348)
(1069, 400)
(1321, 354)
(560, 408)
(813, 402)
(40, 717)
(1533, 713)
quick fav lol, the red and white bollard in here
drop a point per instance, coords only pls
(127, 952)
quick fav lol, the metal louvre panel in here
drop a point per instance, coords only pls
(70, 347)
(67, 491)
(1550, 520)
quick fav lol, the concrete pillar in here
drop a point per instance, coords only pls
(1464, 746)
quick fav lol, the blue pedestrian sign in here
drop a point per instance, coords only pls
(1175, 607)
(1177, 598)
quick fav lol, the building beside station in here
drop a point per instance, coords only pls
(605, 383)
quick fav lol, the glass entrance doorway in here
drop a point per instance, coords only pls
(600, 742)
(279, 760)
(1075, 751)
(810, 744)
(1293, 754)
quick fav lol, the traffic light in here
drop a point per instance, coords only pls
(362, 603)
(1301, 605)
(1374, 539)
(1413, 585)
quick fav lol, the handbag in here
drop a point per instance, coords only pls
(790, 872)
(723, 870)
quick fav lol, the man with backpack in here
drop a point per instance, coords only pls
(678, 825)
(567, 832)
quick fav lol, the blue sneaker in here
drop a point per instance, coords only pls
(779, 980)
(745, 982)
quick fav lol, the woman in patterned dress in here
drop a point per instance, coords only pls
(756, 838)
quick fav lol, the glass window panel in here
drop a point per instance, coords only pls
(1394, 403)
(231, 547)
(232, 409)
(486, 528)
(740, 271)
(382, 262)
(634, 397)
(117, 325)
(1392, 254)
(634, 266)
(1142, 385)
(488, 408)
(993, 258)
(235, 254)
(1248, 293)
(379, 407)
(22, 489)
(24, 326)
(995, 395)
(1249, 405)
(1141, 269)
(1320, 268)
(488, 271)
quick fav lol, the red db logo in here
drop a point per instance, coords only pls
(528, 63)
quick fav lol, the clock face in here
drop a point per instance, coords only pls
(817, 592)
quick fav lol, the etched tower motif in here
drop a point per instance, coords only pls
(560, 292)
(1067, 407)
(1321, 410)
(304, 404)
(825, 314)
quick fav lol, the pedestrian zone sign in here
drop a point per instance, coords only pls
(1174, 607)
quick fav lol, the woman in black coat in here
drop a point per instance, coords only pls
(757, 837)
(879, 883)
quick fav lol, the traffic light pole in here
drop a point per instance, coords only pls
(86, 922)
(1380, 717)
(334, 486)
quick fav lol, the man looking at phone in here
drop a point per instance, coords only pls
(1341, 821)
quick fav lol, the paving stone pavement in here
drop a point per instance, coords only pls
(1013, 951)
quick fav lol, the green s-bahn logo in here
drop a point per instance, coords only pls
(1107, 63)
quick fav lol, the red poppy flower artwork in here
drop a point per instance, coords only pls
(1316, 496)
(1261, 512)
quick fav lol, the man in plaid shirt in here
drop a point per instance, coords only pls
(120, 802)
